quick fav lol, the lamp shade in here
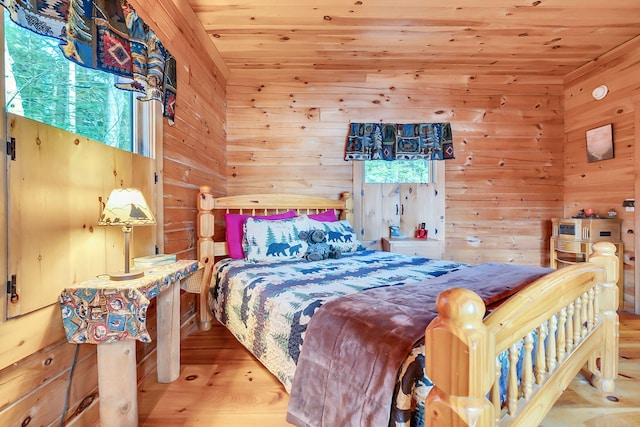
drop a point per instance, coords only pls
(126, 207)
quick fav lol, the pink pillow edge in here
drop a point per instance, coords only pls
(326, 216)
(234, 232)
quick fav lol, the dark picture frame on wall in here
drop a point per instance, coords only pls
(600, 143)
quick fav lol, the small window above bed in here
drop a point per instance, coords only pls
(398, 172)
(380, 205)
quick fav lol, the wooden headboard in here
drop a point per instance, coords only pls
(211, 210)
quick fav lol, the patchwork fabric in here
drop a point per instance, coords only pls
(326, 216)
(267, 306)
(234, 229)
(47, 18)
(340, 235)
(99, 312)
(113, 52)
(105, 35)
(266, 240)
(392, 141)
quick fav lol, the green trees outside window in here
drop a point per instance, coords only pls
(42, 85)
(397, 171)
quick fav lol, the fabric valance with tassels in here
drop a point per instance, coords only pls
(393, 141)
(105, 35)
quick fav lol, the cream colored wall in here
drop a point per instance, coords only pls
(606, 184)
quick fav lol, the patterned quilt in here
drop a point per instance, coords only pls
(268, 305)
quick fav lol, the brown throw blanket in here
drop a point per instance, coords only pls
(355, 345)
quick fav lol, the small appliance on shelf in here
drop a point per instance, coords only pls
(572, 240)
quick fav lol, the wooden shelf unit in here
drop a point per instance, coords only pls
(428, 248)
(572, 240)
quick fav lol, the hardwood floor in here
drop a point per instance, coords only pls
(221, 385)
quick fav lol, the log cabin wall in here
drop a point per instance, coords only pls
(606, 184)
(287, 131)
(35, 358)
(194, 148)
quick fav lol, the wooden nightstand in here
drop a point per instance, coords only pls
(113, 314)
(428, 248)
(572, 240)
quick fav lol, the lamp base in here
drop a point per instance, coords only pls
(126, 276)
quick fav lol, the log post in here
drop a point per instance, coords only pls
(604, 364)
(118, 393)
(347, 213)
(460, 361)
(206, 252)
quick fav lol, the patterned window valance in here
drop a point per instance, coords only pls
(392, 141)
(105, 35)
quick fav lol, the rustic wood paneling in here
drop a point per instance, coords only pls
(194, 148)
(56, 184)
(33, 389)
(605, 184)
(288, 133)
(282, 129)
(194, 154)
(492, 37)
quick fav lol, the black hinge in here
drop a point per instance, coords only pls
(11, 148)
(12, 289)
(155, 177)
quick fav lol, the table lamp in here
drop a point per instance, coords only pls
(128, 208)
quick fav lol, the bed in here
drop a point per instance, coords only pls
(491, 354)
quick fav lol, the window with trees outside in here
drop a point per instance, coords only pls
(76, 137)
(42, 85)
(397, 171)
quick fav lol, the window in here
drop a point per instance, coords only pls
(42, 85)
(398, 171)
(76, 137)
(380, 204)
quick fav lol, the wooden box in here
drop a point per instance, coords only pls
(587, 229)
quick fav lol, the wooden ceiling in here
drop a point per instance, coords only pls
(550, 37)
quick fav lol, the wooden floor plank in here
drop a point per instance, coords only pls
(222, 384)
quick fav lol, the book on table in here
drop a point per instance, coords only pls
(151, 260)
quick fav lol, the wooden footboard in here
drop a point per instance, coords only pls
(210, 213)
(545, 335)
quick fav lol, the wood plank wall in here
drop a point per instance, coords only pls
(605, 184)
(194, 148)
(286, 132)
(287, 129)
(33, 379)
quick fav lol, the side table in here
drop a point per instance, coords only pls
(428, 248)
(113, 314)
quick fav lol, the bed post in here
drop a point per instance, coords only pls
(604, 364)
(457, 347)
(206, 253)
(347, 212)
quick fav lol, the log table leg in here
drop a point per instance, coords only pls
(117, 384)
(168, 320)
(116, 345)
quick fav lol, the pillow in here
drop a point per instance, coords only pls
(274, 239)
(326, 216)
(234, 224)
(340, 234)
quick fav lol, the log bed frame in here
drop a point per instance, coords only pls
(573, 309)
